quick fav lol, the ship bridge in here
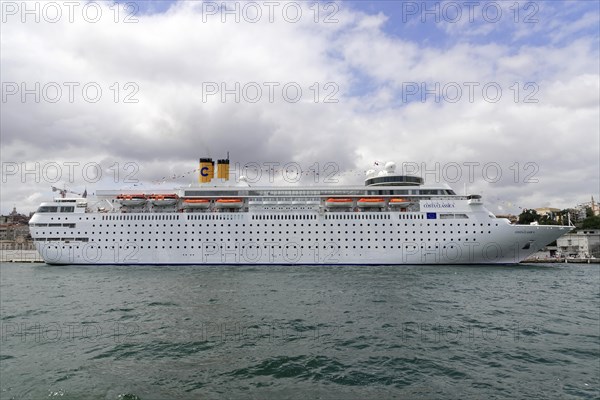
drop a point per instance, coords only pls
(394, 180)
(388, 177)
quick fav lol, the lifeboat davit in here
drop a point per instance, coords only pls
(132, 200)
(338, 202)
(229, 203)
(196, 203)
(371, 202)
(163, 200)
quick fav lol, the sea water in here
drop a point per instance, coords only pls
(300, 332)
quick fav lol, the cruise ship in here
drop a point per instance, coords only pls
(391, 219)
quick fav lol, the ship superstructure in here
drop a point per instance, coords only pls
(392, 219)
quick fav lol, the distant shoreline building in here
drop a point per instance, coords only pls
(581, 244)
(547, 211)
(593, 205)
(14, 232)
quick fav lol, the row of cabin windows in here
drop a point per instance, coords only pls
(53, 209)
(363, 216)
(159, 217)
(229, 240)
(253, 217)
(327, 246)
(279, 217)
(405, 232)
(203, 216)
(52, 225)
(250, 225)
(256, 217)
(61, 239)
(272, 225)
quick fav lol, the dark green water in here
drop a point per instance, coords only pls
(454, 332)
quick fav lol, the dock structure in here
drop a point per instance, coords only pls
(563, 260)
(20, 256)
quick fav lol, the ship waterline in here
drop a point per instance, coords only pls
(393, 219)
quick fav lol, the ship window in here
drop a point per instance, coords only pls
(47, 209)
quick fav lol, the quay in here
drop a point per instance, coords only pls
(20, 256)
(561, 260)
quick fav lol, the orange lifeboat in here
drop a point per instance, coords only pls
(229, 203)
(371, 202)
(338, 202)
(196, 203)
(399, 202)
(163, 196)
(163, 200)
(132, 200)
(130, 196)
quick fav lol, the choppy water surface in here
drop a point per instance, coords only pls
(414, 332)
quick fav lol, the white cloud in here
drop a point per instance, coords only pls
(169, 56)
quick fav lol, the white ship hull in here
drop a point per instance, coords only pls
(236, 238)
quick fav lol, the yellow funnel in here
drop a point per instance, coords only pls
(207, 170)
(223, 169)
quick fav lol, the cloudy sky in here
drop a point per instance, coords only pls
(500, 97)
